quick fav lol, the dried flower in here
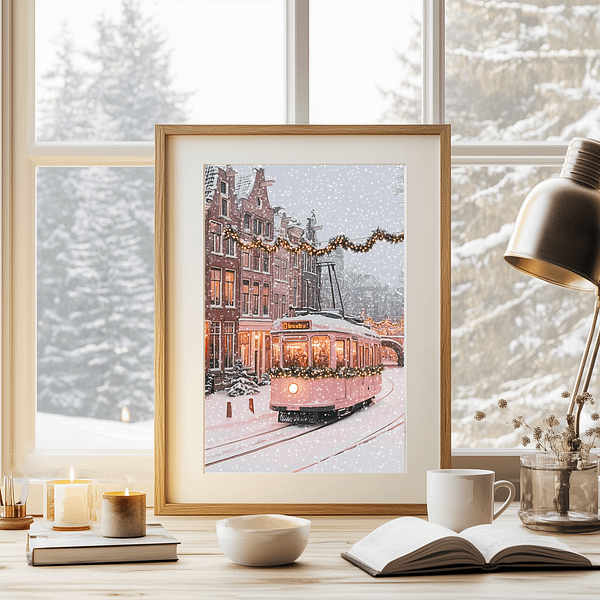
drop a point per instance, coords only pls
(593, 432)
(551, 421)
(546, 438)
(565, 394)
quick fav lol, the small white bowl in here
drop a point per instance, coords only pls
(263, 540)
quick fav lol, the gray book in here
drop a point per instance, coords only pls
(89, 547)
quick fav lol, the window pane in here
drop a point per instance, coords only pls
(361, 54)
(522, 71)
(513, 336)
(95, 307)
(109, 72)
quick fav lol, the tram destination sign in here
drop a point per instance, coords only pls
(296, 325)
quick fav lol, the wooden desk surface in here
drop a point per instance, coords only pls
(203, 572)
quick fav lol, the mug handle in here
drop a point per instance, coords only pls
(511, 495)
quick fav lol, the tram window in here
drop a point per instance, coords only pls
(276, 351)
(295, 352)
(321, 348)
(361, 359)
(347, 353)
(371, 356)
(355, 354)
(340, 353)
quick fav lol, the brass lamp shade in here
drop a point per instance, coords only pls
(557, 233)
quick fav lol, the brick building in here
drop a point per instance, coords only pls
(222, 269)
(248, 288)
(256, 317)
(309, 279)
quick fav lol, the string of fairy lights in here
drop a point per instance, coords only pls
(339, 241)
(385, 327)
(324, 372)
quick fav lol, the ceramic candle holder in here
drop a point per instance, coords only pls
(124, 514)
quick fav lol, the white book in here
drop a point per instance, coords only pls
(50, 547)
(409, 545)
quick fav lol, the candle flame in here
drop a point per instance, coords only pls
(72, 475)
(125, 415)
(127, 491)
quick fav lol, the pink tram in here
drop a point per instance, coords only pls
(325, 366)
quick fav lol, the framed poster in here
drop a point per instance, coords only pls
(302, 318)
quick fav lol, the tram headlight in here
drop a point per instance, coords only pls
(293, 388)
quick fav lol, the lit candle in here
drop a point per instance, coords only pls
(71, 505)
(124, 514)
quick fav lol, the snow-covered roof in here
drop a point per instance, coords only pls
(321, 322)
(211, 175)
(244, 185)
(277, 218)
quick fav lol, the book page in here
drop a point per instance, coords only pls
(496, 543)
(405, 537)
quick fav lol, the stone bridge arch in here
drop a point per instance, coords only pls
(396, 346)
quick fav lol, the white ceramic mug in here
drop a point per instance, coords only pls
(462, 498)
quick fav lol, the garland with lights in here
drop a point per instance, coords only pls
(324, 372)
(385, 327)
(339, 241)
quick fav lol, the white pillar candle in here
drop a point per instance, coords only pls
(71, 504)
(124, 514)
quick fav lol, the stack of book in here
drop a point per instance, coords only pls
(47, 547)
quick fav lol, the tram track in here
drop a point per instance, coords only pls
(368, 438)
(249, 437)
(267, 445)
(298, 434)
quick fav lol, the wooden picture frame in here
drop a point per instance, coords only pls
(182, 484)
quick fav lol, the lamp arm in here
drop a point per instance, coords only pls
(584, 358)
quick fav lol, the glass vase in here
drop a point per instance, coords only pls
(559, 492)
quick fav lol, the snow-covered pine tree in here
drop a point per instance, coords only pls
(66, 117)
(97, 352)
(514, 72)
(132, 86)
(241, 381)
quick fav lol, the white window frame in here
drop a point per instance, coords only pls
(21, 155)
(229, 286)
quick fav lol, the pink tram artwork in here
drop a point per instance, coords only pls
(325, 366)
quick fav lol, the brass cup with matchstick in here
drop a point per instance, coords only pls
(13, 513)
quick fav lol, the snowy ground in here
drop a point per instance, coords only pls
(369, 441)
(352, 445)
(62, 432)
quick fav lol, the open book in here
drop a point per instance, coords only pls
(412, 546)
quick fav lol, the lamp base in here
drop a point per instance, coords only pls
(550, 520)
